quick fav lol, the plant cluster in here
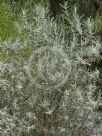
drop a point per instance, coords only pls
(46, 86)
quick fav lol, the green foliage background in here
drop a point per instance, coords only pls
(7, 21)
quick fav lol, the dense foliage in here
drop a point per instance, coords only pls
(50, 71)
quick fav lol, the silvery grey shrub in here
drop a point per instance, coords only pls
(45, 86)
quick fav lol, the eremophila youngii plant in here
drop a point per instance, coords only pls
(46, 88)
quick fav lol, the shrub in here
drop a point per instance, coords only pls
(45, 86)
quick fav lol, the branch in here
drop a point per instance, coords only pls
(96, 4)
